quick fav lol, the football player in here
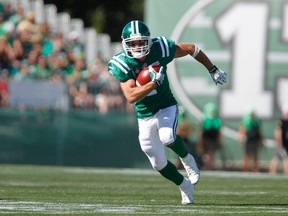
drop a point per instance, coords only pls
(155, 106)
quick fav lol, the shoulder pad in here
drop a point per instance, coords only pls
(118, 67)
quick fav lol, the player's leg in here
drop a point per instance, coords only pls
(285, 166)
(273, 165)
(245, 166)
(255, 167)
(185, 185)
(246, 157)
(209, 160)
(167, 123)
(187, 160)
(284, 157)
(152, 146)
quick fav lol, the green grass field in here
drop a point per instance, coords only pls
(46, 190)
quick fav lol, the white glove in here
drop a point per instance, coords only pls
(157, 77)
(218, 76)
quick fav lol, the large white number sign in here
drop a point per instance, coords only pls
(249, 40)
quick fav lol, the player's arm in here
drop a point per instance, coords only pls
(134, 93)
(218, 76)
(194, 51)
(278, 136)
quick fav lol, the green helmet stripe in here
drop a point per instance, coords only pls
(137, 27)
(132, 27)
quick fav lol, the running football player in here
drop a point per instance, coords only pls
(155, 106)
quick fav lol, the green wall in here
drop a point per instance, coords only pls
(78, 138)
(84, 138)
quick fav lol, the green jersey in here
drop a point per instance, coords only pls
(124, 68)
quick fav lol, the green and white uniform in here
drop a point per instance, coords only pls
(124, 68)
(157, 113)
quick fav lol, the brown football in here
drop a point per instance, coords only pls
(144, 75)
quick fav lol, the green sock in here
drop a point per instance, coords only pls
(179, 147)
(171, 173)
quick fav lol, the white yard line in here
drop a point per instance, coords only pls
(133, 171)
(65, 208)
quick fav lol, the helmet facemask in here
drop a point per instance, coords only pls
(138, 51)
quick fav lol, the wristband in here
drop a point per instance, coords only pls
(197, 50)
(213, 69)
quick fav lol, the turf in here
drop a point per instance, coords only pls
(45, 190)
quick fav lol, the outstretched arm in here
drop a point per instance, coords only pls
(218, 76)
(194, 51)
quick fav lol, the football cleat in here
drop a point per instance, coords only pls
(187, 190)
(191, 168)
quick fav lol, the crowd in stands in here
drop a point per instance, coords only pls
(32, 51)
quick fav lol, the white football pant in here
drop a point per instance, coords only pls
(157, 131)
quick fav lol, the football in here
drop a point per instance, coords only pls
(144, 75)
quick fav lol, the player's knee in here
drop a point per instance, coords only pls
(166, 136)
(145, 146)
(157, 161)
(159, 165)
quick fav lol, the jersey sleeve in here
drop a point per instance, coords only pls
(119, 69)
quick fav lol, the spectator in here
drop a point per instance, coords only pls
(31, 51)
(31, 27)
(2, 26)
(211, 138)
(4, 96)
(18, 16)
(75, 48)
(81, 97)
(42, 70)
(8, 11)
(23, 73)
(4, 54)
(59, 66)
(250, 134)
(48, 45)
(17, 50)
(32, 61)
(9, 32)
(281, 141)
(16, 55)
(27, 45)
(78, 72)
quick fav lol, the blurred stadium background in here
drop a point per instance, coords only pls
(62, 107)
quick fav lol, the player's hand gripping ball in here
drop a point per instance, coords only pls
(151, 73)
